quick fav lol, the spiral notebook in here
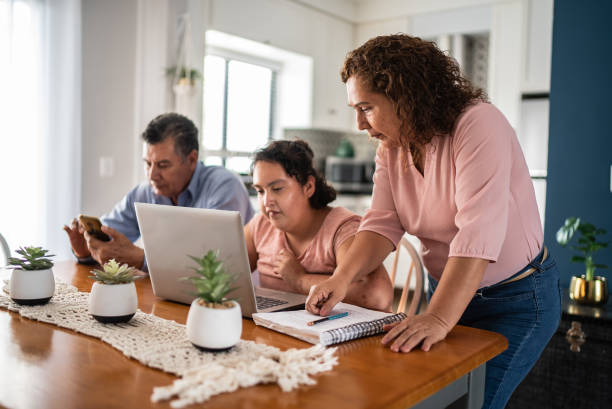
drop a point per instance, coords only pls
(360, 322)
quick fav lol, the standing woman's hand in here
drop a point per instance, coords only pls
(323, 297)
(410, 332)
(459, 282)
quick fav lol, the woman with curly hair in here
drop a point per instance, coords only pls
(449, 170)
(297, 240)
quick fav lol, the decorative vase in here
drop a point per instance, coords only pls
(113, 303)
(590, 292)
(32, 287)
(214, 329)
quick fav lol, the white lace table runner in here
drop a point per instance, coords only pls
(163, 344)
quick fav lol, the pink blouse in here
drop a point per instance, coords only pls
(474, 199)
(319, 257)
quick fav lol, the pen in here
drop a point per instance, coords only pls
(331, 317)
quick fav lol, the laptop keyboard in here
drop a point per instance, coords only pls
(266, 302)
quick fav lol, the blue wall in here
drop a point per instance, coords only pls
(580, 137)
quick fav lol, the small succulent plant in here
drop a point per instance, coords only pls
(115, 273)
(213, 283)
(34, 258)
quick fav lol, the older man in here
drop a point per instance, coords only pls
(176, 177)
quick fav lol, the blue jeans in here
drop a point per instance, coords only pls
(527, 312)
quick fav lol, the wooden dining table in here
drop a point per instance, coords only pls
(44, 366)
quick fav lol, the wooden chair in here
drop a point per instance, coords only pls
(416, 267)
(5, 252)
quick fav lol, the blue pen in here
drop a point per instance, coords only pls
(331, 317)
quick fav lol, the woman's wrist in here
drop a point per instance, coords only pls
(459, 282)
(444, 322)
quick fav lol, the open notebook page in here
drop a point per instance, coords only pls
(295, 323)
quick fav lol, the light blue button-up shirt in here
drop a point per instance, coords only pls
(210, 187)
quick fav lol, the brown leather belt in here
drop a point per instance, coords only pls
(527, 272)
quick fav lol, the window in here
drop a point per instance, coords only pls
(21, 155)
(238, 110)
(40, 150)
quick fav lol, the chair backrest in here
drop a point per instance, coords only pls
(416, 268)
(5, 252)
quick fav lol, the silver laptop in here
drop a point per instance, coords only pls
(171, 233)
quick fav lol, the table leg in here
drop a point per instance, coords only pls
(476, 386)
(470, 387)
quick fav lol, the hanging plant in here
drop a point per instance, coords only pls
(185, 75)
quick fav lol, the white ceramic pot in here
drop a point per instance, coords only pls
(214, 329)
(112, 303)
(32, 287)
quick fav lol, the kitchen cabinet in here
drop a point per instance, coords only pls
(537, 46)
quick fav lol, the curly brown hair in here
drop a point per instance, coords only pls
(424, 84)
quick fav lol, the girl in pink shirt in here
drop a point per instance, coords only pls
(449, 170)
(297, 240)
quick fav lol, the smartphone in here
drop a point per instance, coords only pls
(93, 226)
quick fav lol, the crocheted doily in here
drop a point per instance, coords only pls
(163, 344)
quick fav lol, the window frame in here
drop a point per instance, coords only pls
(228, 55)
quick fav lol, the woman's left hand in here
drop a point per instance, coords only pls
(287, 266)
(410, 332)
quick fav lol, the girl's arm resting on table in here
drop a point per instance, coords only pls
(458, 284)
(373, 291)
(365, 254)
(294, 274)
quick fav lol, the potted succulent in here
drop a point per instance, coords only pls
(214, 323)
(113, 295)
(587, 288)
(32, 281)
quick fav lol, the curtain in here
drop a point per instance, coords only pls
(40, 149)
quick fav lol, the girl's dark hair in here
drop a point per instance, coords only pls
(424, 84)
(296, 159)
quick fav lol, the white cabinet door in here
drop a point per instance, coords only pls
(538, 47)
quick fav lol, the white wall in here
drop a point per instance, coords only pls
(379, 10)
(109, 48)
(520, 38)
(503, 19)
(368, 30)
(294, 27)
(128, 43)
(293, 105)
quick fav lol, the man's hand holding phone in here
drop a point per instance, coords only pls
(119, 247)
(93, 226)
(89, 238)
(76, 234)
